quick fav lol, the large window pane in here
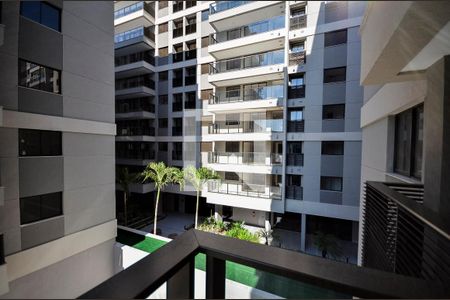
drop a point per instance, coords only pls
(30, 210)
(38, 77)
(332, 148)
(331, 183)
(334, 75)
(40, 207)
(335, 38)
(50, 16)
(31, 10)
(418, 142)
(335, 111)
(51, 205)
(39, 143)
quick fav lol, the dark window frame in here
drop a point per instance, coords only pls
(328, 79)
(323, 183)
(333, 110)
(328, 146)
(330, 38)
(40, 136)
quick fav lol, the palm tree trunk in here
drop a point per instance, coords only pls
(156, 212)
(196, 209)
(125, 208)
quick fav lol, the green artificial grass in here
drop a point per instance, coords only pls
(271, 283)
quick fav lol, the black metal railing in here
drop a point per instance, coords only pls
(401, 235)
(296, 126)
(298, 22)
(294, 192)
(297, 58)
(295, 159)
(174, 263)
(297, 91)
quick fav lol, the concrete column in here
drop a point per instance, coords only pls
(303, 234)
(437, 139)
(218, 212)
(267, 224)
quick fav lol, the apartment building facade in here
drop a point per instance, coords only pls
(57, 201)
(405, 121)
(266, 93)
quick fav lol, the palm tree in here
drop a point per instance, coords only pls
(125, 178)
(198, 178)
(161, 175)
(327, 244)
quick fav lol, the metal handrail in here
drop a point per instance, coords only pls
(247, 62)
(174, 263)
(250, 158)
(248, 30)
(269, 125)
(260, 93)
(244, 189)
(297, 22)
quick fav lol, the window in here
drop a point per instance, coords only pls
(331, 183)
(41, 12)
(39, 143)
(232, 119)
(332, 148)
(162, 146)
(163, 52)
(205, 15)
(295, 147)
(334, 75)
(296, 80)
(129, 34)
(40, 207)
(128, 10)
(296, 115)
(231, 176)
(163, 4)
(191, 3)
(163, 99)
(38, 77)
(232, 147)
(298, 47)
(205, 41)
(335, 111)
(205, 68)
(409, 142)
(163, 76)
(233, 91)
(335, 38)
(164, 27)
(162, 123)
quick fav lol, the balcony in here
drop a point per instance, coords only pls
(131, 110)
(295, 159)
(191, 28)
(177, 32)
(403, 236)
(174, 264)
(295, 92)
(177, 82)
(294, 192)
(134, 64)
(245, 189)
(134, 40)
(190, 80)
(135, 131)
(177, 155)
(177, 106)
(262, 35)
(177, 57)
(191, 54)
(226, 15)
(177, 131)
(138, 86)
(296, 126)
(246, 158)
(254, 68)
(297, 22)
(257, 126)
(177, 6)
(297, 58)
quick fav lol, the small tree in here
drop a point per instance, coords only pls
(327, 244)
(161, 175)
(124, 179)
(198, 178)
(266, 234)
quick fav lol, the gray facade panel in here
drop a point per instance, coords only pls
(334, 93)
(331, 197)
(39, 102)
(335, 56)
(40, 44)
(332, 165)
(41, 232)
(40, 175)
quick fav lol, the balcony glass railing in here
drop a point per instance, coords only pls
(248, 158)
(225, 5)
(134, 33)
(134, 8)
(295, 159)
(134, 107)
(296, 126)
(135, 57)
(257, 126)
(134, 131)
(297, 91)
(245, 189)
(128, 83)
(248, 30)
(247, 62)
(135, 154)
(250, 94)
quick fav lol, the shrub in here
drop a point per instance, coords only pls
(238, 231)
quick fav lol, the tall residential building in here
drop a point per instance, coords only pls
(265, 92)
(405, 119)
(57, 201)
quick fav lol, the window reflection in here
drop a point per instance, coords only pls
(38, 77)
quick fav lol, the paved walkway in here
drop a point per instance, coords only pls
(172, 223)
